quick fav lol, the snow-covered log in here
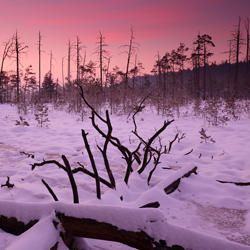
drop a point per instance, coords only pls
(114, 223)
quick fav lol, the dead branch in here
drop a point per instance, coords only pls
(151, 204)
(171, 143)
(189, 152)
(113, 140)
(34, 165)
(72, 180)
(67, 169)
(28, 154)
(138, 109)
(50, 190)
(7, 184)
(236, 183)
(148, 145)
(97, 179)
(104, 151)
(86, 171)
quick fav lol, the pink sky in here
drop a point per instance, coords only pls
(159, 25)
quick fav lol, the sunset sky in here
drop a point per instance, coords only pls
(159, 26)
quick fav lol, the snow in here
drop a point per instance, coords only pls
(201, 214)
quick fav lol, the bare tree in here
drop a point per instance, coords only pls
(19, 49)
(69, 58)
(247, 56)
(78, 57)
(132, 47)
(39, 51)
(236, 46)
(103, 54)
(7, 53)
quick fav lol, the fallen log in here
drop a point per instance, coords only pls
(140, 228)
(173, 181)
(85, 226)
(89, 228)
(236, 183)
(13, 226)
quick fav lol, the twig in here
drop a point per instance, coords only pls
(50, 190)
(171, 143)
(189, 152)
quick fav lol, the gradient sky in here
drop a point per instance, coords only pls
(159, 25)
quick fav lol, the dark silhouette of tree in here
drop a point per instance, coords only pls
(79, 58)
(132, 48)
(7, 53)
(103, 54)
(181, 58)
(30, 77)
(247, 57)
(202, 51)
(237, 41)
(49, 87)
(39, 52)
(173, 60)
(69, 59)
(19, 49)
(165, 64)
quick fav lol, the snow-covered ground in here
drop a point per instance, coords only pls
(201, 204)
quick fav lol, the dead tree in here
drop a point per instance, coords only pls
(149, 151)
(132, 47)
(127, 154)
(19, 49)
(237, 41)
(103, 54)
(78, 57)
(39, 52)
(247, 57)
(7, 53)
(69, 59)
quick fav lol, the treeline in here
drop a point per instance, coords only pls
(175, 77)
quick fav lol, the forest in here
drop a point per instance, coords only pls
(182, 75)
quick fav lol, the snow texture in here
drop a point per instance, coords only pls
(201, 214)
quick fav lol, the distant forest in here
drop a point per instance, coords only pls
(175, 77)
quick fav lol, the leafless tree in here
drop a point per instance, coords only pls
(7, 53)
(39, 51)
(19, 49)
(132, 48)
(103, 54)
(69, 59)
(247, 56)
(237, 41)
(78, 57)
